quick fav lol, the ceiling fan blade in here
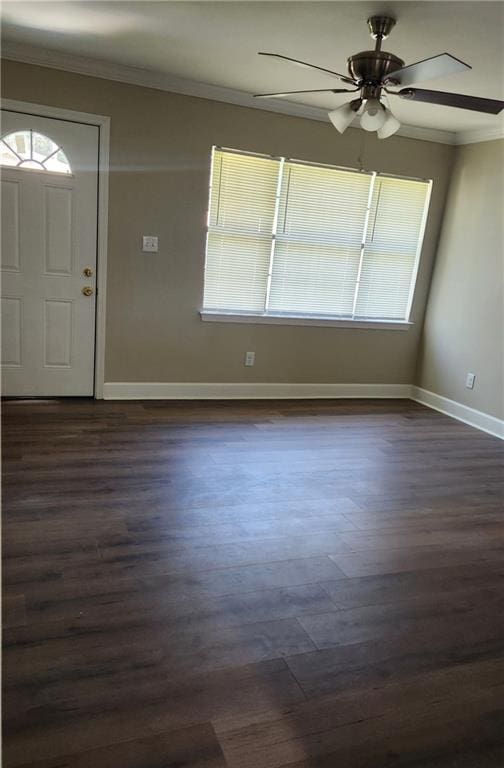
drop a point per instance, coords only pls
(288, 93)
(308, 66)
(476, 103)
(437, 66)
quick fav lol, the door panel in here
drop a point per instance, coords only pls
(49, 230)
(11, 331)
(10, 232)
(58, 230)
(58, 332)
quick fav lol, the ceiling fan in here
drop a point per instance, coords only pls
(371, 72)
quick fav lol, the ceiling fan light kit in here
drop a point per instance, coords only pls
(373, 72)
(390, 126)
(373, 116)
(343, 116)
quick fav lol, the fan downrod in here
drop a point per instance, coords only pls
(370, 68)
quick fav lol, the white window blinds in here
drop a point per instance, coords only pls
(393, 240)
(242, 211)
(318, 242)
(290, 238)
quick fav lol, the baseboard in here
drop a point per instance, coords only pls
(120, 390)
(464, 413)
(139, 390)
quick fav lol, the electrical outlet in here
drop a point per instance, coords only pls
(470, 380)
(149, 244)
(249, 358)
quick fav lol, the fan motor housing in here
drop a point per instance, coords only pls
(372, 67)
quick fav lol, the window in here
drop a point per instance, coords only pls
(292, 239)
(33, 151)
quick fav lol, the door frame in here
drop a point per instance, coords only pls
(103, 124)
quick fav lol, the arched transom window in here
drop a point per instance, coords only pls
(33, 151)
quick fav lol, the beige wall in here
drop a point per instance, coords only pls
(160, 151)
(464, 324)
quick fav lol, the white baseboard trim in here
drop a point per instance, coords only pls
(464, 413)
(139, 390)
(120, 390)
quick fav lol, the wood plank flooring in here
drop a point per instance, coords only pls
(314, 584)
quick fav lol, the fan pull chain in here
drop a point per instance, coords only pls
(360, 156)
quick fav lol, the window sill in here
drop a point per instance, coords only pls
(208, 316)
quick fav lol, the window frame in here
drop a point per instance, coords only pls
(268, 317)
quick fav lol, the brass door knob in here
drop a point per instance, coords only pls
(87, 272)
(87, 290)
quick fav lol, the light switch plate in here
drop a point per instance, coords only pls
(470, 380)
(150, 244)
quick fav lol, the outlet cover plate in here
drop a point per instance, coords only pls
(150, 243)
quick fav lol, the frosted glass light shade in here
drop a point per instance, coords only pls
(389, 127)
(373, 116)
(342, 117)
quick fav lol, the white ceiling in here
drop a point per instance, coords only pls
(217, 43)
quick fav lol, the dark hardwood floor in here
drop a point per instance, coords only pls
(251, 585)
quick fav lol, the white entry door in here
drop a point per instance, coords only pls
(48, 262)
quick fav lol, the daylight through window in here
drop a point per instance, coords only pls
(287, 238)
(33, 151)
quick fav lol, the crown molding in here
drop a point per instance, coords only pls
(426, 134)
(480, 134)
(83, 65)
